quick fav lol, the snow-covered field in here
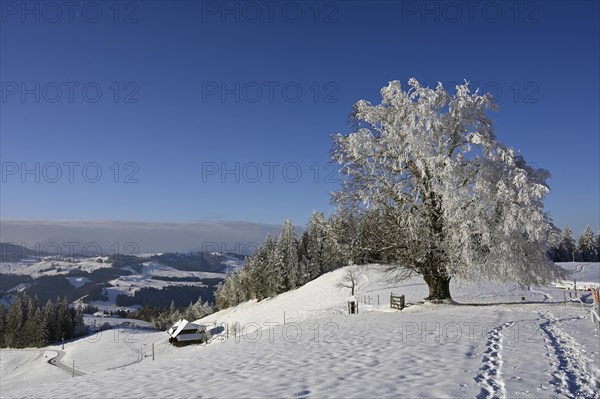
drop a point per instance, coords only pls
(50, 266)
(96, 322)
(128, 285)
(151, 275)
(490, 344)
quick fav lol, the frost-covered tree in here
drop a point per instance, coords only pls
(350, 279)
(333, 255)
(314, 247)
(302, 275)
(273, 268)
(454, 201)
(197, 310)
(567, 249)
(239, 291)
(346, 234)
(586, 246)
(288, 248)
(303, 260)
(223, 293)
(256, 278)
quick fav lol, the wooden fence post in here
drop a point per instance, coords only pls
(152, 350)
(397, 302)
(73, 368)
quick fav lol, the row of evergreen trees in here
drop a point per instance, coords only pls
(28, 324)
(285, 263)
(193, 312)
(163, 318)
(586, 249)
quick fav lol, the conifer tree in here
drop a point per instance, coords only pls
(273, 268)
(49, 320)
(314, 247)
(303, 276)
(14, 324)
(288, 248)
(567, 249)
(2, 326)
(586, 246)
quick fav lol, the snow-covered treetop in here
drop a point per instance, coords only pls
(465, 204)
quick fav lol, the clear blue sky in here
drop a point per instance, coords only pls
(175, 66)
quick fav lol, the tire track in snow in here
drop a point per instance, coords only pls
(132, 343)
(490, 377)
(571, 374)
(139, 358)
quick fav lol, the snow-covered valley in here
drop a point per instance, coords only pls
(99, 281)
(490, 344)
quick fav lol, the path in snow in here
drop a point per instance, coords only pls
(490, 377)
(571, 375)
(132, 344)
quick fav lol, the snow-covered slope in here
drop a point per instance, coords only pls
(492, 344)
(50, 266)
(321, 297)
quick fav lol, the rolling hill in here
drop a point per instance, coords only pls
(491, 343)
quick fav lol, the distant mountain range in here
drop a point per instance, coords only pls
(10, 252)
(194, 260)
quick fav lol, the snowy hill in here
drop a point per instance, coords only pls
(321, 297)
(491, 344)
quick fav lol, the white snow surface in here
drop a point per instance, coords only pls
(51, 267)
(78, 281)
(96, 322)
(489, 344)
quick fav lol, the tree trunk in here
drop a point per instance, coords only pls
(439, 287)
